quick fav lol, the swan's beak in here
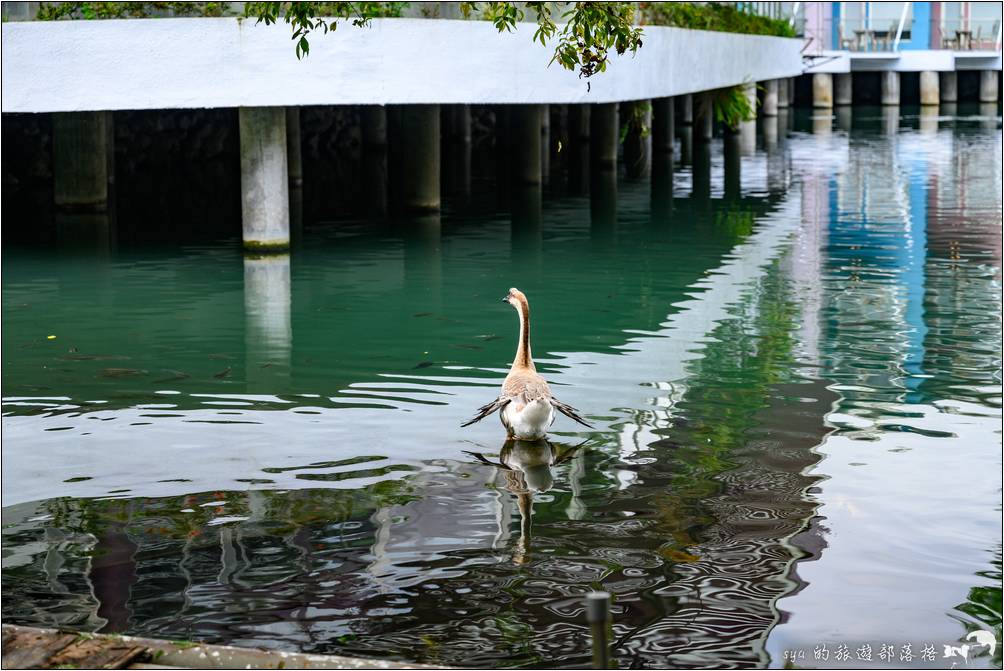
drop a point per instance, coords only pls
(505, 299)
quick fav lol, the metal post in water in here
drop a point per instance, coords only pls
(598, 617)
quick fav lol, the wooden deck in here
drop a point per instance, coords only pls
(30, 648)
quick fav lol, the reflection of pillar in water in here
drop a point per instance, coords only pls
(929, 120)
(112, 574)
(805, 260)
(603, 206)
(733, 150)
(423, 260)
(844, 117)
(294, 163)
(576, 509)
(988, 114)
(768, 126)
(701, 171)
(890, 119)
(84, 231)
(662, 185)
(686, 134)
(268, 331)
(949, 109)
(822, 122)
(526, 223)
(777, 172)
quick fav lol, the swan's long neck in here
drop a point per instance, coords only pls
(523, 357)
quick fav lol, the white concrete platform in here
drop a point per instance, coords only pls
(928, 60)
(65, 66)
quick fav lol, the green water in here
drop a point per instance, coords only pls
(794, 378)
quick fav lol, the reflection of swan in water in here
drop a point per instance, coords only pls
(525, 466)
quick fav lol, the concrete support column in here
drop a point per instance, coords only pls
(770, 98)
(704, 116)
(783, 101)
(603, 137)
(419, 139)
(948, 87)
(264, 178)
(638, 143)
(989, 85)
(791, 91)
(843, 89)
(685, 109)
(890, 88)
(579, 123)
(374, 137)
(822, 90)
(524, 140)
(929, 94)
(545, 142)
(80, 142)
(294, 160)
(456, 129)
(663, 118)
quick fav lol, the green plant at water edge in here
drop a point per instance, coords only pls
(53, 11)
(590, 31)
(305, 17)
(721, 17)
(730, 105)
(637, 120)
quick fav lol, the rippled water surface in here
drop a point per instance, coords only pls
(794, 377)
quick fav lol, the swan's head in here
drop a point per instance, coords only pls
(514, 297)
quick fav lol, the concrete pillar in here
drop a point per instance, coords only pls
(80, 160)
(524, 138)
(747, 129)
(929, 88)
(685, 109)
(770, 98)
(844, 117)
(890, 88)
(456, 128)
(374, 138)
(822, 90)
(419, 138)
(791, 92)
(704, 117)
(264, 178)
(768, 127)
(843, 89)
(701, 172)
(545, 142)
(638, 142)
(989, 85)
(662, 126)
(948, 87)
(603, 137)
(579, 122)
(783, 101)
(294, 160)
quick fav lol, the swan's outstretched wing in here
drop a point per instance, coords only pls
(488, 409)
(569, 411)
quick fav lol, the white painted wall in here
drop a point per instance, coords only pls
(227, 62)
